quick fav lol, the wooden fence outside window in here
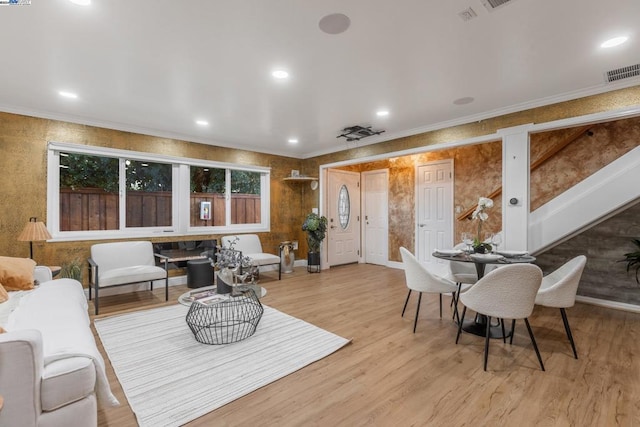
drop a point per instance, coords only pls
(95, 209)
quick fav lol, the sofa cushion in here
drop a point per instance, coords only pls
(66, 381)
(16, 274)
(134, 274)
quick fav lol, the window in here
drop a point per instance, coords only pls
(88, 192)
(106, 193)
(245, 197)
(149, 195)
(344, 207)
(207, 186)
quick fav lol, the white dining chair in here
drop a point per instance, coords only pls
(464, 274)
(559, 290)
(508, 292)
(419, 279)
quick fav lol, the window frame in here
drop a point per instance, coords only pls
(180, 195)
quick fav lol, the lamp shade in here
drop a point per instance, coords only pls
(34, 231)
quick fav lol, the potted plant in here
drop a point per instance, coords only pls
(633, 259)
(72, 270)
(316, 229)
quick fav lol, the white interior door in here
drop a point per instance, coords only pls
(434, 212)
(343, 215)
(375, 212)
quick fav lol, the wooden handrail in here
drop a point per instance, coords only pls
(534, 165)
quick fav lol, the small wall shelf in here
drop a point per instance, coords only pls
(313, 181)
(300, 179)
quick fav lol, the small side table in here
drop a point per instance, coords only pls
(55, 270)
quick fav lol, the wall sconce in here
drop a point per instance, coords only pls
(34, 231)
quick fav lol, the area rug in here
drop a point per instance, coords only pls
(170, 379)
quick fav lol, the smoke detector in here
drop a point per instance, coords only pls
(467, 14)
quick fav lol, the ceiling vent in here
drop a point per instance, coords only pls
(356, 133)
(492, 5)
(622, 73)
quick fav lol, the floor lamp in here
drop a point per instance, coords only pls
(34, 231)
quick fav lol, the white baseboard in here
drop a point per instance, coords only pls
(395, 264)
(609, 304)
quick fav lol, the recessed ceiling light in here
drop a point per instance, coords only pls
(69, 95)
(616, 41)
(382, 113)
(81, 2)
(463, 101)
(202, 122)
(293, 140)
(280, 74)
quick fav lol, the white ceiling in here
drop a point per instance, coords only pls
(155, 66)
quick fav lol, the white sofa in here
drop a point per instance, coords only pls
(249, 245)
(51, 372)
(123, 263)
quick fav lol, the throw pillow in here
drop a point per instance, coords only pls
(4, 296)
(2, 330)
(16, 274)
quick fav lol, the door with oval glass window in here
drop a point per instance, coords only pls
(343, 216)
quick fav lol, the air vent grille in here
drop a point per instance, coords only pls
(622, 73)
(494, 4)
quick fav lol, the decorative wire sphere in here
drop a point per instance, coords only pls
(223, 322)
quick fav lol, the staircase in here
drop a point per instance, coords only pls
(591, 201)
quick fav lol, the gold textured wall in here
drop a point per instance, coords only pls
(23, 142)
(601, 144)
(477, 172)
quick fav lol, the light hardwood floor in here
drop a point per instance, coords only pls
(389, 376)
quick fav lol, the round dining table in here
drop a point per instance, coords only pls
(477, 326)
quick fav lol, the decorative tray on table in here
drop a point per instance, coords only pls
(486, 257)
(513, 254)
(448, 252)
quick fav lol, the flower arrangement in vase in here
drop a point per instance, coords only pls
(479, 246)
(230, 263)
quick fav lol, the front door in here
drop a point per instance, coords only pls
(434, 212)
(343, 216)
